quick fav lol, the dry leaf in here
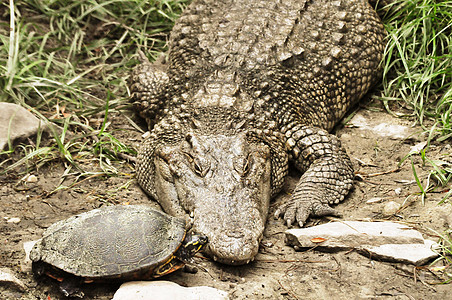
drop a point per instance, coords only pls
(318, 240)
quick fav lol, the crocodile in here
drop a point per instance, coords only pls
(245, 88)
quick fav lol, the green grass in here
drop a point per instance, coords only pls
(417, 74)
(418, 62)
(68, 62)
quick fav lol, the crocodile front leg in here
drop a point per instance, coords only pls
(148, 88)
(327, 179)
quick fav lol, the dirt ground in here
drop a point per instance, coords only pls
(278, 272)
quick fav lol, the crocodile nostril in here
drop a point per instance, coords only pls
(219, 189)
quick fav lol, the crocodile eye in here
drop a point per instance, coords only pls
(242, 166)
(246, 166)
(197, 167)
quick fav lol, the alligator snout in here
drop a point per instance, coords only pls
(234, 232)
(233, 251)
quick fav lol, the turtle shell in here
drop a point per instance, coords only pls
(123, 241)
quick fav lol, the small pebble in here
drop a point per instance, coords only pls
(398, 191)
(267, 244)
(374, 200)
(31, 178)
(418, 147)
(391, 208)
(12, 220)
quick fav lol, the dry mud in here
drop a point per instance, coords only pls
(279, 272)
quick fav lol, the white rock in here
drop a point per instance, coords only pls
(417, 254)
(383, 240)
(166, 290)
(14, 220)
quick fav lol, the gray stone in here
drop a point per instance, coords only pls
(382, 240)
(166, 290)
(17, 124)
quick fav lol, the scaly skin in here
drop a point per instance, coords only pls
(245, 88)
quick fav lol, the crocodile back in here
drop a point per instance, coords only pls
(284, 60)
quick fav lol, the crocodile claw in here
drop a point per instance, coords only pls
(299, 211)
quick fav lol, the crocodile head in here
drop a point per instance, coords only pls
(223, 183)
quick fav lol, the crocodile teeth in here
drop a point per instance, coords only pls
(248, 261)
(215, 258)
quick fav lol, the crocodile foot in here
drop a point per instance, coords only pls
(301, 210)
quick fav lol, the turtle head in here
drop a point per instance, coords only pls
(193, 243)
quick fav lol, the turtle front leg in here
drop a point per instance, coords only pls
(71, 287)
(327, 179)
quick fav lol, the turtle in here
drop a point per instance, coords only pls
(120, 242)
